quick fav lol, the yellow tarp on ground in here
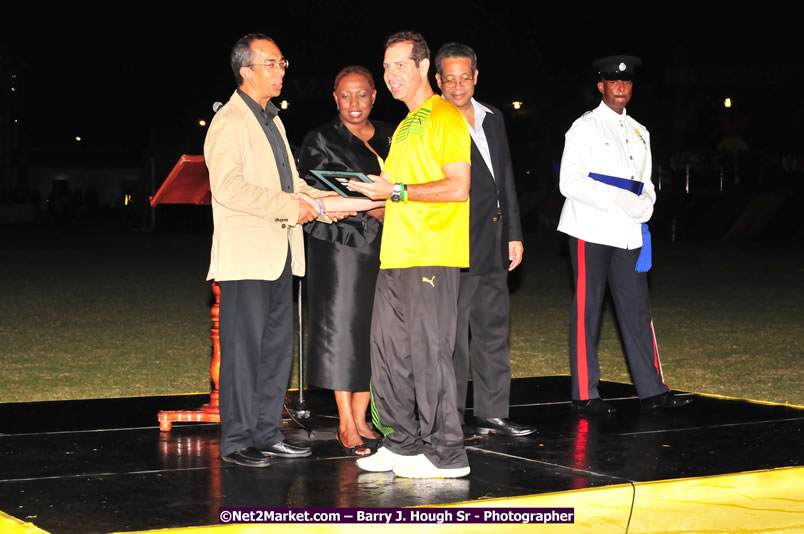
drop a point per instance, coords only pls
(759, 501)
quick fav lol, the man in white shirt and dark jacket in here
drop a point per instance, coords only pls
(606, 179)
(495, 249)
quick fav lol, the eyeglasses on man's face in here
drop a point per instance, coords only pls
(463, 81)
(272, 64)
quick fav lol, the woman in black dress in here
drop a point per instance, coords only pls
(343, 260)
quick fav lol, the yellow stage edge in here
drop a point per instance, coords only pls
(769, 500)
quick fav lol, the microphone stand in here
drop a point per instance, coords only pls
(299, 412)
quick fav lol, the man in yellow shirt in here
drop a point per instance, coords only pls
(425, 242)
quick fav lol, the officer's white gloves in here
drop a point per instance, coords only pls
(634, 206)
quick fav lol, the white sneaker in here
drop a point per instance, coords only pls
(420, 466)
(382, 460)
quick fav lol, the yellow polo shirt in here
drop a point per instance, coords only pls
(423, 234)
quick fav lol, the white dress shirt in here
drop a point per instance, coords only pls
(479, 135)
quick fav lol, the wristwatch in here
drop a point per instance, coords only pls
(396, 196)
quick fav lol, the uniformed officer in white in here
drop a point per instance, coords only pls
(606, 179)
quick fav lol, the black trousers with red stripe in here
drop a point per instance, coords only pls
(593, 267)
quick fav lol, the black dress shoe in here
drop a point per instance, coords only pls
(593, 407)
(665, 400)
(283, 449)
(498, 425)
(250, 457)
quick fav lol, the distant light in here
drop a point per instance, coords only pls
(202, 122)
(126, 200)
(727, 102)
(78, 138)
(13, 89)
(284, 104)
(517, 104)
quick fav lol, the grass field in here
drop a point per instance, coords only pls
(728, 319)
(97, 313)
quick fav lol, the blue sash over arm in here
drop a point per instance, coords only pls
(623, 183)
(644, 262)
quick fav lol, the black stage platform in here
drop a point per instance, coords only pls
(104, 465)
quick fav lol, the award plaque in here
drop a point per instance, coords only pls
(338, 181)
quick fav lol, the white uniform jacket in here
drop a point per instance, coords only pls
(604, 142)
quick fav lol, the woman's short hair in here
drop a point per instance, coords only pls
(354, 69)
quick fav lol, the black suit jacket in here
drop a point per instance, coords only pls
(483, 198)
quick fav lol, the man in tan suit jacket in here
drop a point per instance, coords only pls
(257, 247)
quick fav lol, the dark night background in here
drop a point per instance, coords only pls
(134, 83)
